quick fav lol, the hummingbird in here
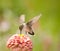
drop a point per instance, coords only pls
(27, 27)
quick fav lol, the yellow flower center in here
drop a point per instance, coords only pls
(21, 35)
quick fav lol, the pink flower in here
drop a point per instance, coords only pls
(4, 26)
(19, 42)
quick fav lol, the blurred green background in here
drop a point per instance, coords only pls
(10, 10)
